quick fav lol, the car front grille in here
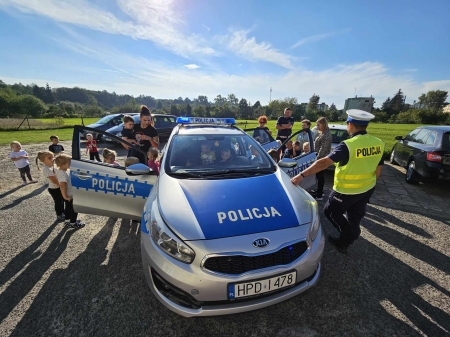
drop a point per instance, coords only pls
(239, 264)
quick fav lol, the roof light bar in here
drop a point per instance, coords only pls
(205, 120)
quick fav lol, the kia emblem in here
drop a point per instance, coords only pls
(261, 243)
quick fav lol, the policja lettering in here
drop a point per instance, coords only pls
(368, 151)
(247, 214)
(110, 185)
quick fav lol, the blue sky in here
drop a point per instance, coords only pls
(187, 48)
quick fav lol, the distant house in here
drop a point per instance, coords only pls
(361, 103)
(446, 109)
(322, 107)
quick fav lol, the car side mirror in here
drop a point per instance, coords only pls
(287, 163)
(398, 138)
(138, 169)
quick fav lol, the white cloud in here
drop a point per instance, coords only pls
(315, 38)
(251, 50)
(206, 27)
(152, 20)
(192, 66)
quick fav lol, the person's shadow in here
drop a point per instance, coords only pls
(22, 285)
(25, 197)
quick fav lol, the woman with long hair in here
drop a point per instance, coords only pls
(322, 146)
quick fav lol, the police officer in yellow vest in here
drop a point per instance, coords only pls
(358, 163)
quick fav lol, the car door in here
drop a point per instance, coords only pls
(402, 147)
(294, 166)
(104, 189)
(164, 125)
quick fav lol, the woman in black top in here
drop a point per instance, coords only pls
(145, 134)
(260, 133)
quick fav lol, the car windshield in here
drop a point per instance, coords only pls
(217, 155)
(104, 120)
(338, 135)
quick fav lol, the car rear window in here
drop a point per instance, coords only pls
(339, 135)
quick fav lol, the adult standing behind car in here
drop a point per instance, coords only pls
(145, 135)
(284, 126)
(359, 161)
(261, 131)
(322, 144)
(306, 136)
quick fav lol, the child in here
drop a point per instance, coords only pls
(296, 149)
(20, 159)
(226, 155)
(306, 147)
(274, 154)
(128, 133)
(207, 156)
(46, 157)
(55, 147)
(109, 157)
(62, 173)
(153, 163)
(131, 161)
(289, 152)
(91, 147)
(256, 156)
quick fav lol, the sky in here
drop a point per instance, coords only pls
(187, 48)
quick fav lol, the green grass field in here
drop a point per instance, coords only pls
(386, 132)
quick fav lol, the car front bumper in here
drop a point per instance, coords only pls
(190, 290)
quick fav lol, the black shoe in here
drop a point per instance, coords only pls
(338, 244)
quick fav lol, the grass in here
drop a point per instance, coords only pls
(46, 127)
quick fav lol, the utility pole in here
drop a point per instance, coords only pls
(270, 97)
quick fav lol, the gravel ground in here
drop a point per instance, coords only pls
(59, 282)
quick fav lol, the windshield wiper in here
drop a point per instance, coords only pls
(185, 174)
(238, 172)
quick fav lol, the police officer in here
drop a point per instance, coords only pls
(284, 126)
(358, 163)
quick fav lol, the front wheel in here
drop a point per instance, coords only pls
(411, 174)
(391, 159)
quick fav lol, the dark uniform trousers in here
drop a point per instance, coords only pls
(354, 205)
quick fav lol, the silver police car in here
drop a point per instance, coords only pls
(223, 230)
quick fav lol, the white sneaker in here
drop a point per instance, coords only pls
(33, 181)
(24, 183)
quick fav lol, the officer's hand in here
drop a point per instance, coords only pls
(297, 179)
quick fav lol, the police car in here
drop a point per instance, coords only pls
(223, 231)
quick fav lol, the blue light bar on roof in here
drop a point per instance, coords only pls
(205, 120)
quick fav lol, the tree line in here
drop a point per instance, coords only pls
(18, 100)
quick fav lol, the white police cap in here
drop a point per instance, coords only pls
(360, 117)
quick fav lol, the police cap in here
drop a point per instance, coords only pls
(359, 117)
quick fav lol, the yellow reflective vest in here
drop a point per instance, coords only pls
(358, 175)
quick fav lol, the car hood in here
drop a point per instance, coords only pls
(115, 129)
(211, 209)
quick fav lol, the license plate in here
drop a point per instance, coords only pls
(252, 288)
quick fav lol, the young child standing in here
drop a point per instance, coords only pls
(153, 162)
(46, 158)
(55, 147)
(62, 173)
(20, 159)
(91, 147)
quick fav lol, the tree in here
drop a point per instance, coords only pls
(159, 105)
(386, 106)
(313, 103)
(397, 102)
(219, 100)
(434, 99)
(174, 110)
(277, 106)
(49, 98)
(203, 100)
(28, 105)
(188, 110)
(333, 113)
(244, 111)
(232, 99)
(199, 111)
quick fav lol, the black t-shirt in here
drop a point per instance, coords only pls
(148, 131)
(285, 120)
(56, 148)
(128, 133)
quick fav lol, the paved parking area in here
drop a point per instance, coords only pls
(57, 282)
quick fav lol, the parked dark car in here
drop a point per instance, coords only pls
(424, 152)
(163, 123)
(104, 124)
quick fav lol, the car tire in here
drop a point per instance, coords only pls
(391, 158)
(411, 174)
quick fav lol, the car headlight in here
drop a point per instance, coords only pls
(167, 242)
(315, 222)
